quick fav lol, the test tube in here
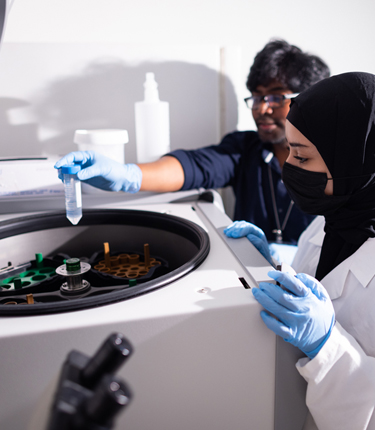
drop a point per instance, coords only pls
(73, 194)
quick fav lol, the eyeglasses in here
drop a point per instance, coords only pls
(273, 100)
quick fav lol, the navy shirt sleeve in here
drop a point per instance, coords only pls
(214, 166)
(240, 161)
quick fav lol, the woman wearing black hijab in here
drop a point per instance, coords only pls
(331, 172)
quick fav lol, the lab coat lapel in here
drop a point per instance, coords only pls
(363, 267)
(360, 264)
(335, 280)
(318, 238)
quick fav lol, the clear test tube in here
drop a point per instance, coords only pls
(73, 194)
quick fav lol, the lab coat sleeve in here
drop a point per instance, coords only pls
(341, 383)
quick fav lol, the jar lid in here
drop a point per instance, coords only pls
(71, 169)
(101, 137)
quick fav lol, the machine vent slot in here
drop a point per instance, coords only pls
(244, 283)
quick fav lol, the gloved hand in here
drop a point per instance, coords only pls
(103, 172)
(305, 314)
(253, 233)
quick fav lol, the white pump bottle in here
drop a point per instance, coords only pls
(151, 124)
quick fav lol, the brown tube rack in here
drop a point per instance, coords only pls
(128, 266)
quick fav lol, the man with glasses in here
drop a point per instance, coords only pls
(249, 161)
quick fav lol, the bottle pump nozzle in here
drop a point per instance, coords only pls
(151, 88)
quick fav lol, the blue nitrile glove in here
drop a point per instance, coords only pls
(253, 233)
(305, 314)
(103, 172)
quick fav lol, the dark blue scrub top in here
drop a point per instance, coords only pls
(240, 160)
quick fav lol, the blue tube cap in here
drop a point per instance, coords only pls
(71, 169)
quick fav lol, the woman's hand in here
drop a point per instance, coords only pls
(303, 310)
(253, 233)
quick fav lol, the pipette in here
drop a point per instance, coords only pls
(73, 194)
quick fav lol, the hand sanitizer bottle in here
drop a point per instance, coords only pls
(151, 124)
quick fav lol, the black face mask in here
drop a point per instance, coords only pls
(307, 191)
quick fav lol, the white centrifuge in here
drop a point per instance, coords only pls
(202, 357)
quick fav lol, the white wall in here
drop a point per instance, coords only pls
(340, 31)
(48, 90)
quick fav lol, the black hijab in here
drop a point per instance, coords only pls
(338, 116)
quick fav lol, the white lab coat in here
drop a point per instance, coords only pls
(341, 378)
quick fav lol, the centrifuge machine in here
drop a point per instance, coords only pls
(202, 357)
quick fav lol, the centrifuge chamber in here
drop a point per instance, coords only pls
(202, 355)
(175, 246)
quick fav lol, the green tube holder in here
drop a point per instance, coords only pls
(35, 274)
